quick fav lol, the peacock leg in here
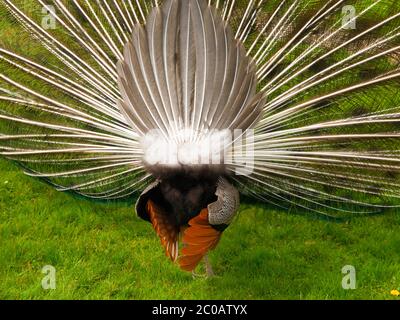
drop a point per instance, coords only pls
(209, 270)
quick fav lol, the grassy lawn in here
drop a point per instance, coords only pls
(103, 251)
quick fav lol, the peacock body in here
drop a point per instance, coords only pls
(185, 102)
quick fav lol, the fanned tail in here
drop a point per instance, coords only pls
(59, 116)
(323, 97)
(328, 140)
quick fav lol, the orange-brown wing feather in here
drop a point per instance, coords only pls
(198, 239)
(167, 232)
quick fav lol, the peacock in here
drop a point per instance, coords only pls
(184, 103)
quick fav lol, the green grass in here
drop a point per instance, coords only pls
(103, 251)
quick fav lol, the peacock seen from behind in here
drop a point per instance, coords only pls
(187, 102)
